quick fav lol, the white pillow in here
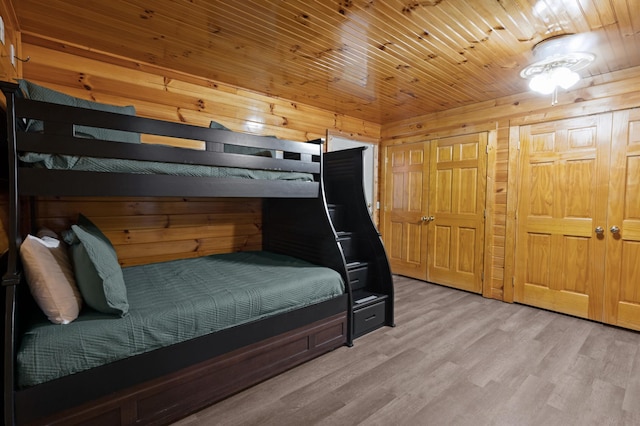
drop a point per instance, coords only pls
(50, 278)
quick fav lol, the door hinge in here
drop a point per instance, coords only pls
(518, 145)
(486, 149)
(482, 277)
(513, 281)
(484, 214)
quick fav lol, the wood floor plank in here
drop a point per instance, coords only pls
(359, 408)
(445, 409)
(632, 394)
(573, 386)
(527, 403)
(603, 406)
(618, 363)
(397, 412)
(563, 349)
(335, 379)
(455, 358)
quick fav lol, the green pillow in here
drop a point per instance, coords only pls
(247, 150)
(39, 93)
(98, 273)
(218, 126)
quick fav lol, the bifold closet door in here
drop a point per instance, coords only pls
(563, 177)
(434, 210)
(405, 206)
(622, 231)
(457, 191)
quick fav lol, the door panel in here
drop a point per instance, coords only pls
(457, 203)
(622, 282)
(406, 186)
(563, 177)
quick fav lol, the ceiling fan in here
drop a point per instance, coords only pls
(558, 60)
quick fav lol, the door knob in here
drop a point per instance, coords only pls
(424, 219)
(614, 229)
(431, 218)
(599, 230)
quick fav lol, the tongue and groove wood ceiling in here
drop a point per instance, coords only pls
(378, 60)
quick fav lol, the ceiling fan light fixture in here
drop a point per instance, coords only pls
(558, 67)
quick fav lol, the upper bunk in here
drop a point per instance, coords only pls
(88, 152)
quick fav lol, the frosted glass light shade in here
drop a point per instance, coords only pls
(564, 77)
(542, 83)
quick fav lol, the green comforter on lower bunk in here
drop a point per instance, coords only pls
(171, 302)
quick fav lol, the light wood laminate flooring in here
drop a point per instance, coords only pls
(455, 358)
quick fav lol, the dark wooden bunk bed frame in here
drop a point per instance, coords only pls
(166, 384)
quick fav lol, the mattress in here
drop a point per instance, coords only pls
(67, 162)
(171, 302)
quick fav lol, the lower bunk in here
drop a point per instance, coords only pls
(167, 384)
(195, 331)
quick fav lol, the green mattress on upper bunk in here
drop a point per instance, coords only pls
(67, 162)
(171, 302)
(55, 160)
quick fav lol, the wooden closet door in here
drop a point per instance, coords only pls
(563, 185)
(622, 282)
(457, 189)
(405, 189)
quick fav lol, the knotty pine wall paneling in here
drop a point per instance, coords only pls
(608, 92)
(494, 273)
(11, 37)
(145, 230)
(169, 95)
(155, 229)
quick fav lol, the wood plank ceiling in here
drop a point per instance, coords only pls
(378, 60)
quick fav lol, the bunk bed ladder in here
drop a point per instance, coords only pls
(369, 274)
(302, 228)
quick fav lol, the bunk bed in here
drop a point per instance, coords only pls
(170, 380)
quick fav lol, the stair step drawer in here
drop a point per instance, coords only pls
(358, 276)
(369, 318)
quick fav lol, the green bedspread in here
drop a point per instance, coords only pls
(172, 302)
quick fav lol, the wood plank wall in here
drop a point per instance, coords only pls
(173, 96)
(155, 229)
(147, 230)
(500, 117)
(11, 37)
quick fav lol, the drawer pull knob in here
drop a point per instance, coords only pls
(370, 318)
